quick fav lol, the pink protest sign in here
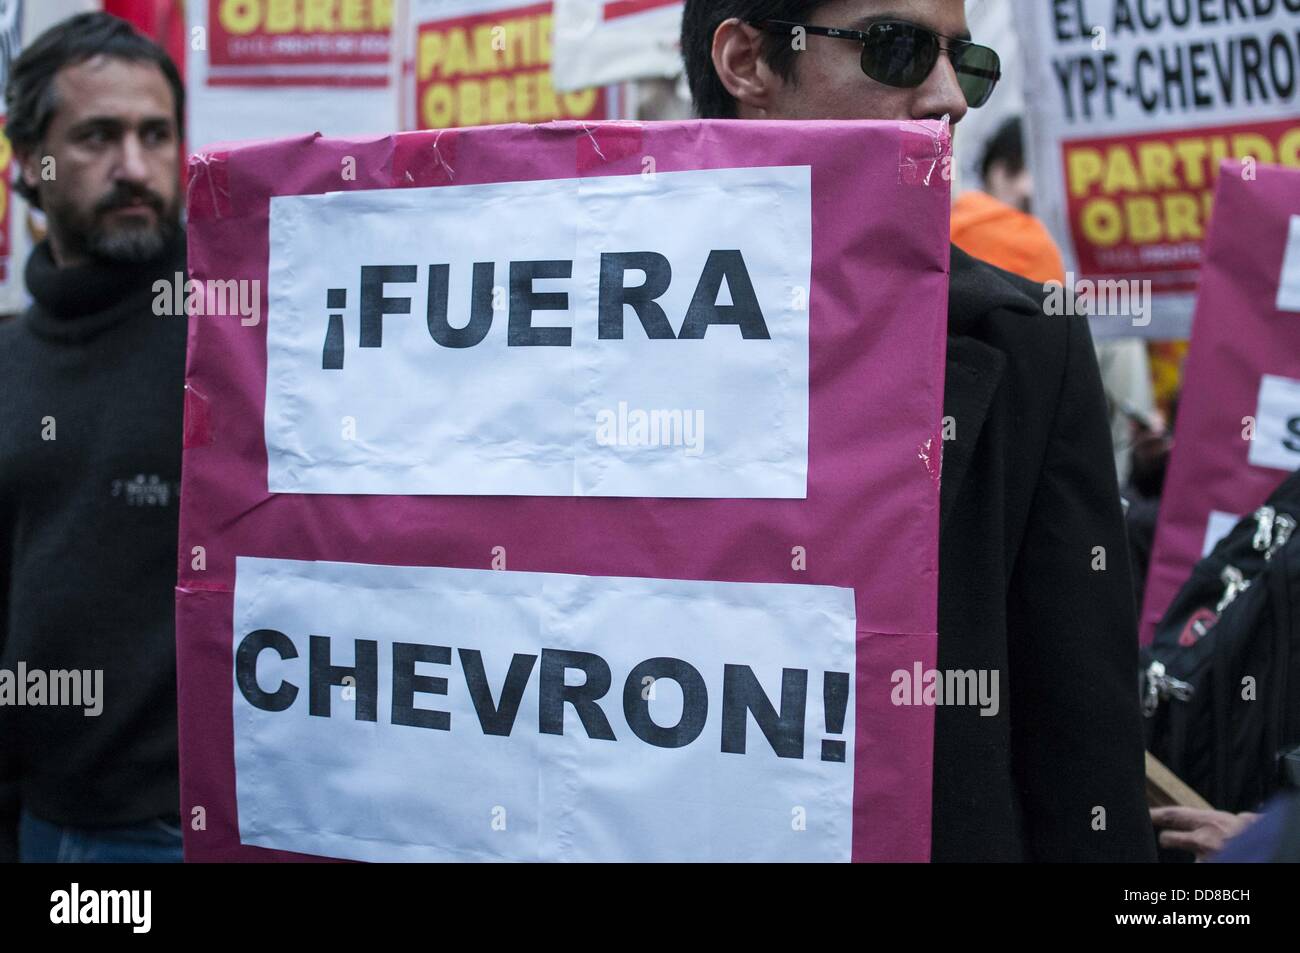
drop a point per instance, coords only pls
(563, 492)
(1238, 429)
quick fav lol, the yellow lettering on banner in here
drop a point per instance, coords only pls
(1121, 174)
(1191, 153)
(544, 27)
(430, 53)
(437, 107)
(506, 58)
(519, 42)
(352, 16)
(525, 84)
(1181, 217)
(1085, 170)
(484, 55)
(1102, 224)
(549, 103)
(1156, 160)
(528, 38)
(1288, 148)
(1252, 144)
(318, 15)
(280, 16)
(578, 103)
(522, 97)
(1143, 220)
(457, 57)
(1190, 164)
(471, 103)
(498, 100)
(1218, 152)
(239, 16)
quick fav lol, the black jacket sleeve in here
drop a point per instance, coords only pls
(1078, 759)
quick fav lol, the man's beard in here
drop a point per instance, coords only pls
(123, 243)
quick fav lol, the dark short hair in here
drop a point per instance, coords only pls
(29, 94)
(700, 21)
(1006, 145)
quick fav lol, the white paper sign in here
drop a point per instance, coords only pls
(612, 336)
(1288, 285)
(1219, 525)
(1277, 424)
(427, 714)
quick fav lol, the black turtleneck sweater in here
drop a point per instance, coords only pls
(91, 396)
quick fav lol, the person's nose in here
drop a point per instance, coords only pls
(940, 94)
(132, 165)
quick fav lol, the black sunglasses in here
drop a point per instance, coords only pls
(902, 54)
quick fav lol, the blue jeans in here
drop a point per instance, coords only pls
(149, 842)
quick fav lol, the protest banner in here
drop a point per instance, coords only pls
(557, 493)
(14, 241)
(1135, 105)
(1238, 429)
(263, 68)
(279, 42)
(611, 41)
(486, 62)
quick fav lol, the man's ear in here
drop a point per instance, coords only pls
(738, 61)
(29, 163)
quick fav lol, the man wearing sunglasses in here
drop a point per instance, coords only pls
(1034, 580)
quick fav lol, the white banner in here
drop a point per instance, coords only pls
(611, 336)
(610, 41)
(427, 714)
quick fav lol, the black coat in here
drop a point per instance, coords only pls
(1028, 493)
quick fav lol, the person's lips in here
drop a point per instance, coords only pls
(135, 208)
(122, 203)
